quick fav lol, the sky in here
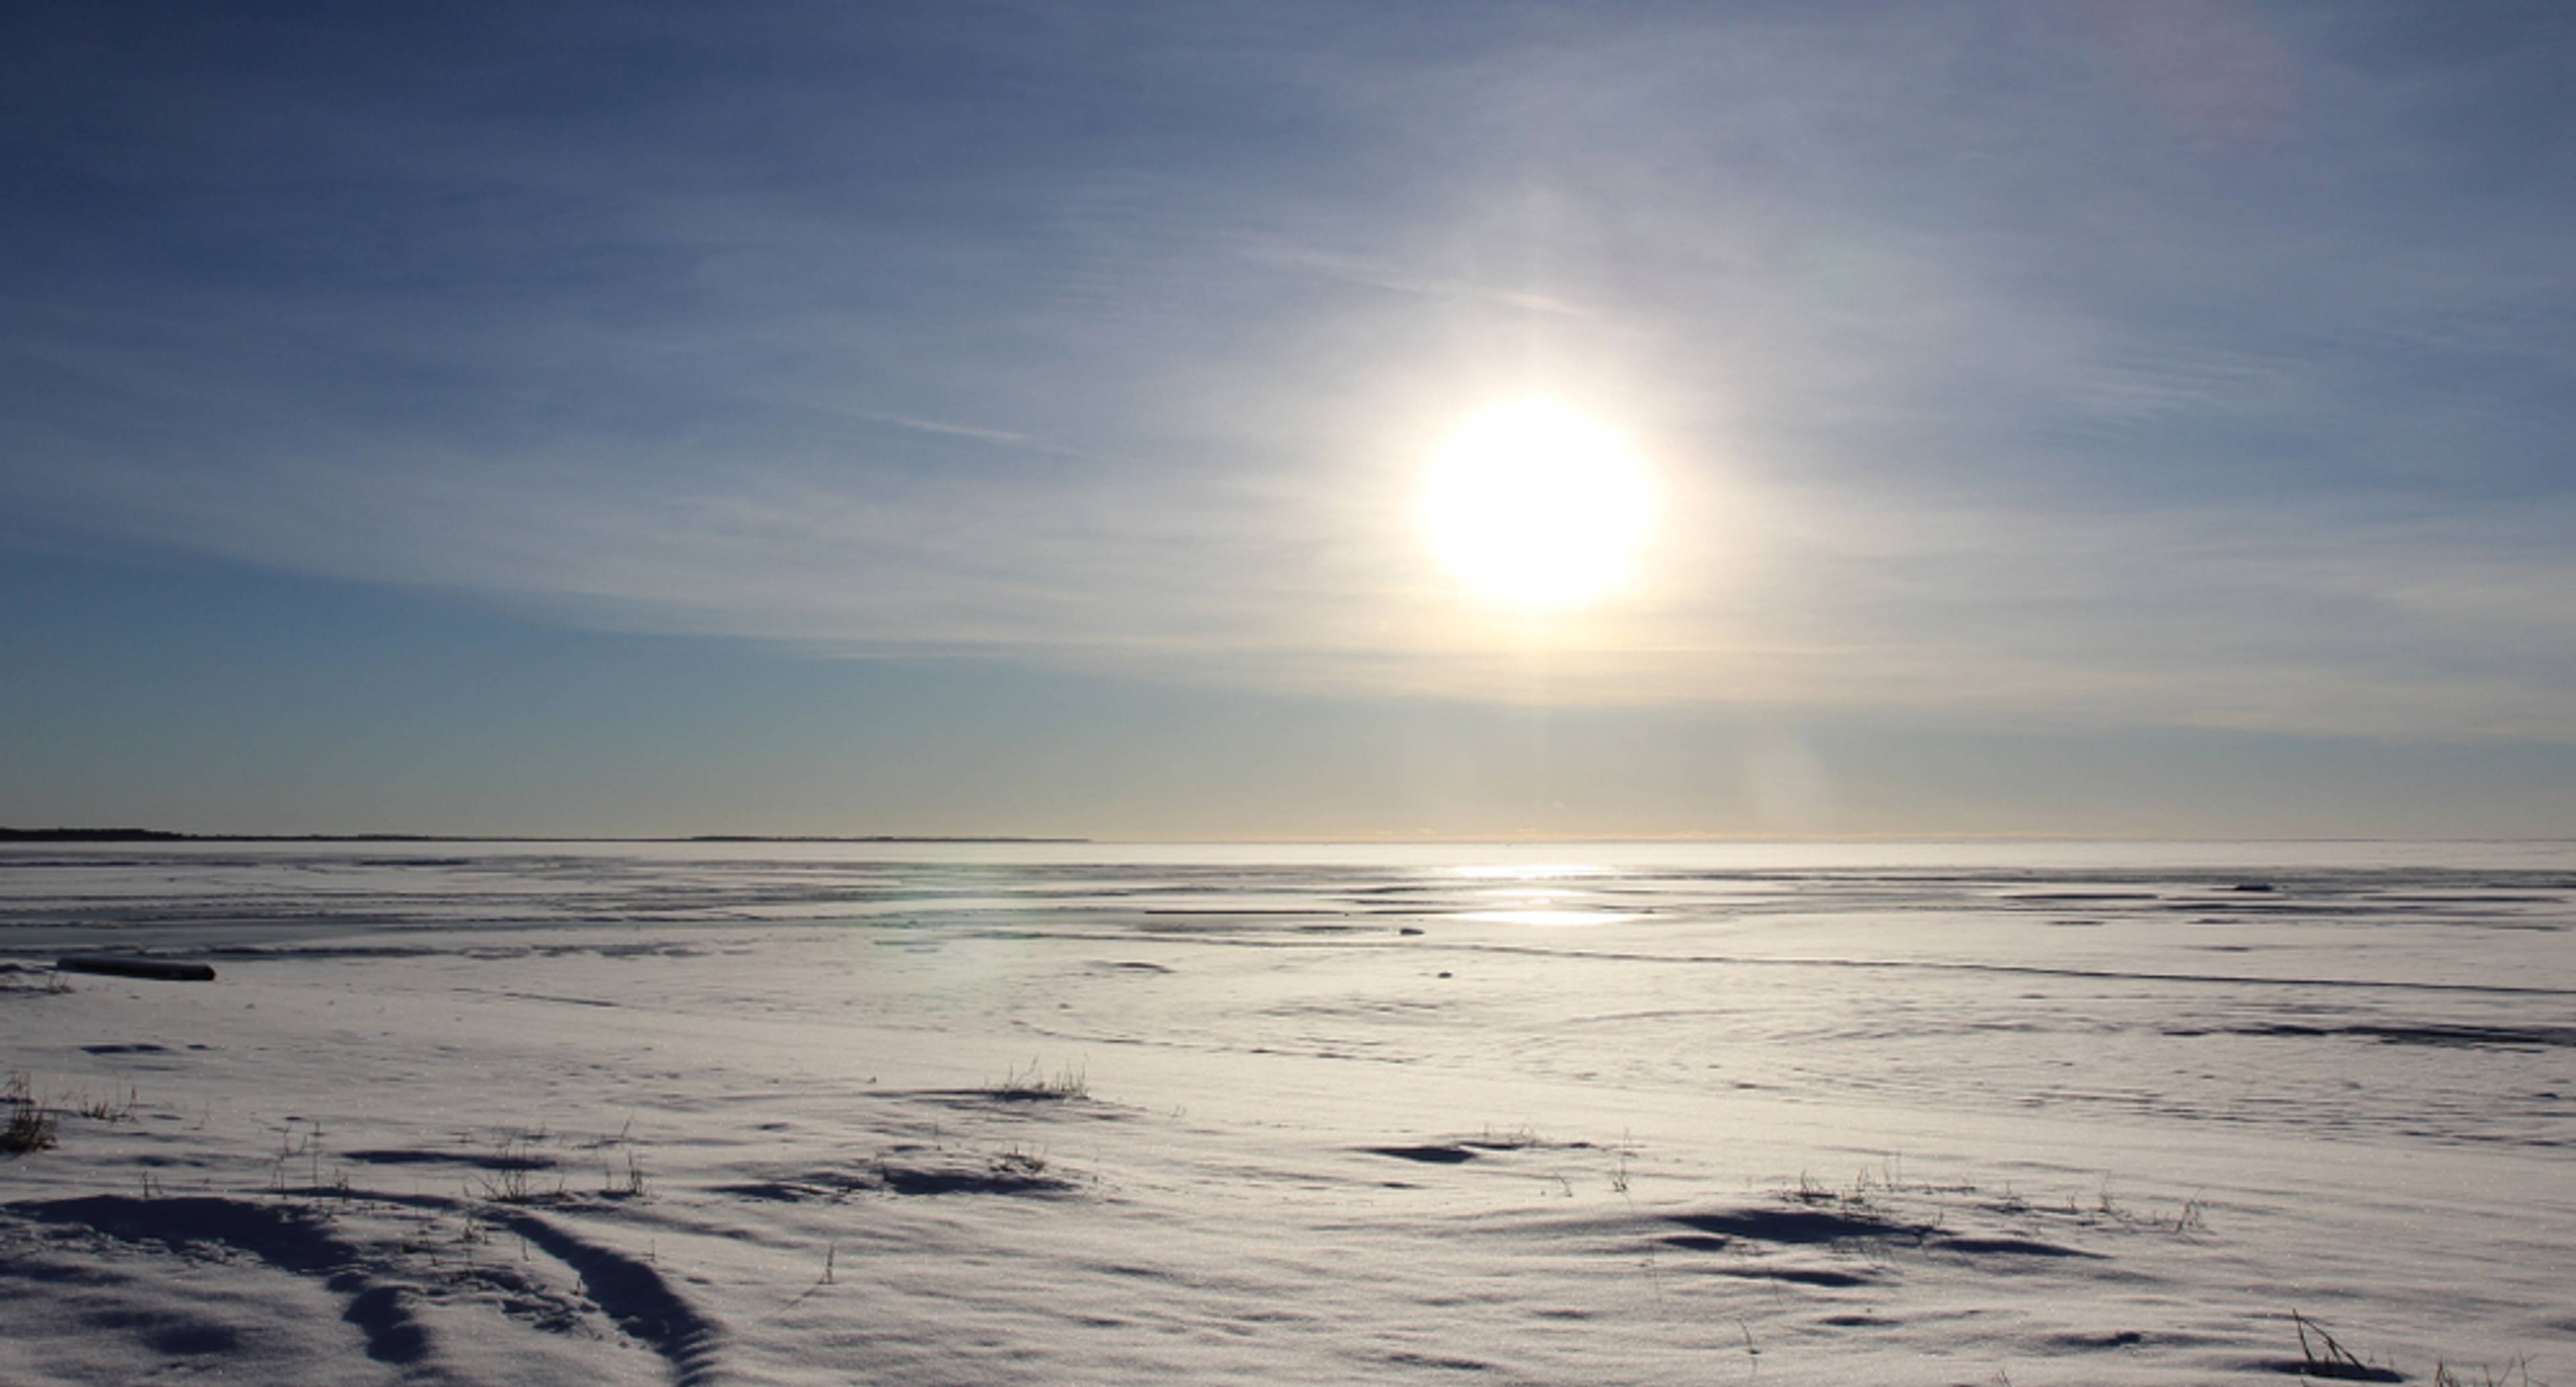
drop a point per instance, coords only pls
(2079, 419)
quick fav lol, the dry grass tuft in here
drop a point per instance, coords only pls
(2328, 1359)
(110, 1108)
(2517, 1373)
(1033, 1085)
(30, 1127)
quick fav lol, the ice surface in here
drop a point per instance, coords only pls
(803, 1113)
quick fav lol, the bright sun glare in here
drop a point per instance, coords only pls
(1537, 506)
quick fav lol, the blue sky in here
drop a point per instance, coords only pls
(1006, 418)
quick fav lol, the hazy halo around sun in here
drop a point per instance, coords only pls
(1537, 506)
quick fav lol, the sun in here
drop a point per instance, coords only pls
(1537, 506)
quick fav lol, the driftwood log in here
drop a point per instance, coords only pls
(162, 969)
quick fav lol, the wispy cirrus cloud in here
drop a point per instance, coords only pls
(2061, 365)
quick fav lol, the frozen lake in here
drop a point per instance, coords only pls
(1602, 1112)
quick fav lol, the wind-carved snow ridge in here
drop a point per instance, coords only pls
(385, 1289)
(291, 1239)
(633, 1294)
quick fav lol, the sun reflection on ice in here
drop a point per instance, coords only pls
(1534, 894)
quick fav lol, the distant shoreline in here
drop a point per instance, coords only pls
(156, 835)
(27, 836)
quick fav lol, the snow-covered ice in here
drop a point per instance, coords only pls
(923, 1114)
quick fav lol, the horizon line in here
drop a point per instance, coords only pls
(10, 836)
